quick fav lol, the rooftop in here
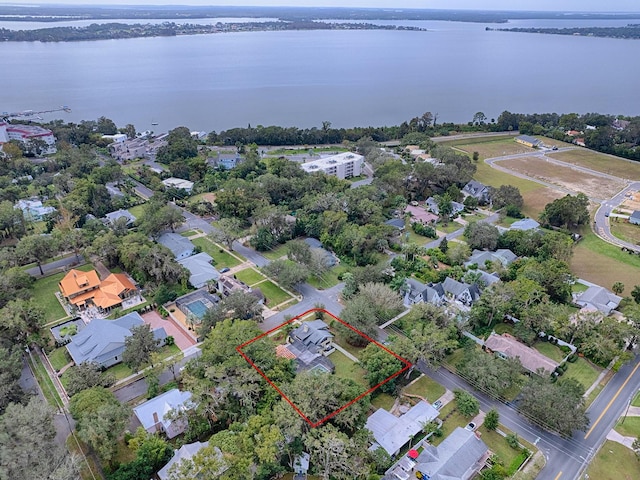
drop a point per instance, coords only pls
(331, 161)
(200, 268)
(529, 357)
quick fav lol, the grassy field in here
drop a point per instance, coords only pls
(339, 339)
(490, 147)
(190, 233)
(629, 427)
(347, 368)
(501, 328)
(89, 469)
(221, 258)
(44, 293)
(121, 371)
(604, 264)
(498, 445)
(59, 358)
(450, 424)
(45, 382)
(583, 371)
(249, 276)
(614, 462)
(274, 294)
(636, 400)
(426, 388)
(579, 288)
(277, 252)
(549, 350)
(600, 162)
(625, 230)
(383, 400)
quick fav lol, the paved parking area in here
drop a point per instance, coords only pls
(183, 341)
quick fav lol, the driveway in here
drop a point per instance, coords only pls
(183, 341)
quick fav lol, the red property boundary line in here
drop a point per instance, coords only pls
(406, 363)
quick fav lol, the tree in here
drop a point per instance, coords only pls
(444, 245)
(556, 406)
(36, 248)
(28, 447)
(476, 157)
(479, 118)
(635, 446)
(10, 372)
(180, 146)
(466, 403)
(635, 293)
(482, 235)
(87, 375)
(287, 273)
(139, 346)
(335, 454)
(567, 211)
(492, 420)
(379, 366)
(227, 231)
(101, 419)
(488, 373)
(506, 195)
(618, 288)
(458, 253)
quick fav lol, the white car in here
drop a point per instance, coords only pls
(470, 426)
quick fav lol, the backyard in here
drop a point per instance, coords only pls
(44, 294)
(451, 419)
(347, 368)
(220, 256)
(249, 276)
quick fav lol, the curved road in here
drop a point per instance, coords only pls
(601, 226)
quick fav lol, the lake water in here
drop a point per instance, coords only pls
(301, 78)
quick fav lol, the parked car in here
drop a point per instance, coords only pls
(470, 426)
(437, 405)
(224, 270)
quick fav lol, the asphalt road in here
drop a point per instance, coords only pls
(601, 219)
(566, 457)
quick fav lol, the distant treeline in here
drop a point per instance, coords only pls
(60, 13)
(110, 31)
(631, 31)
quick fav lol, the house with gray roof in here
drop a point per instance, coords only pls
(525, 224)
(309, 345)
(111, 217)
(477, 190)
(529, 141)
(418, 292)
(634, 218)
(180, 246)
(459, 457)
(187, 452)
(102, 341)
(301, 466)
(201, 271)
(485, 279)
(503, 256)
(392, 433)
(396, 223)
(328, 258)
(162, 413)
(598, 298)
(313, 333)
(460, 291)
(432, 204)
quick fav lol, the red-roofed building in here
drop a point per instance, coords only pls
(419, 214)
(26, 133)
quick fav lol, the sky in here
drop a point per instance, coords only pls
(537, 5)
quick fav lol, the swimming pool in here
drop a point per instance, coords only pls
(198, 308)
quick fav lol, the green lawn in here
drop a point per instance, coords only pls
(347, 368)
(339, 339)
(579, 288)
(274, 294)
(501, 328)
(276, 252)
(44, 290)
(636, 400)
(249, 276)
(629, 427)
(498, 445)
(137, 211)
(59, 358)
(383, 400)
(329, 279)
(614, 462)
(583, 371)
(220, 257)
(121, 371)
(426, 388)
(450, 228)
(600, 162)
(45, 382)
(549, 350)
(190, 233)
(450, 424)
(625, 230)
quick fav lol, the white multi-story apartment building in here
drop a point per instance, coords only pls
(26, 133)
(343, 165)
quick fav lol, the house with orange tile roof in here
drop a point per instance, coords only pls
(85, 289)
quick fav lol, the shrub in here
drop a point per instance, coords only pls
(169, 341)
(572, 358)
(467, 404)
(512, 440)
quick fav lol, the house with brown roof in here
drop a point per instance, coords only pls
(506, 346)
(85, 289)
(419, 214)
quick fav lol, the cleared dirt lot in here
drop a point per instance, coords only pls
(566, 177)
(600, 163)
(535, 200)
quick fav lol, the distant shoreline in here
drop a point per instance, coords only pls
(117, 31)
(629, 32)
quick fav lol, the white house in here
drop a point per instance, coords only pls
(178, 183)
(157, 414)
